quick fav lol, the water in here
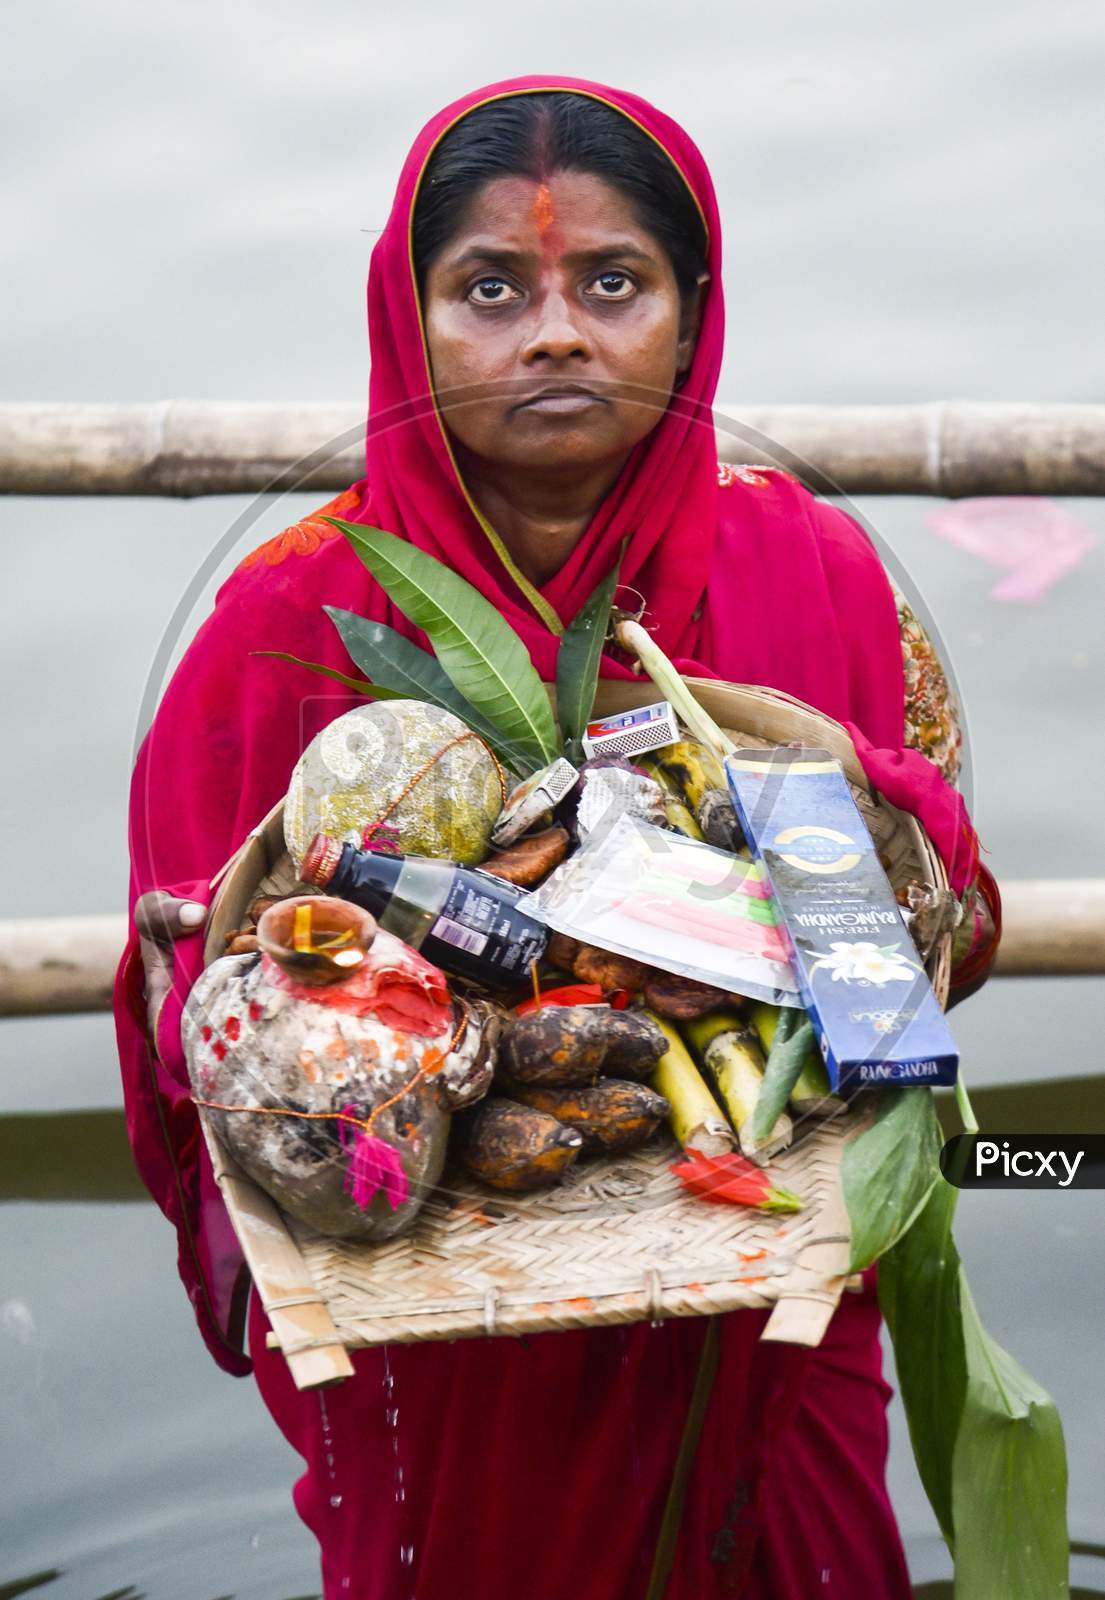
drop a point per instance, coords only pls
(191, 212)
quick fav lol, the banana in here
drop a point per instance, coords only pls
(687, 768)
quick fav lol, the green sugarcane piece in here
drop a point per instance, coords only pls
(792, 1041)
(696, 1117)
(731, 1054)
(812, 1095)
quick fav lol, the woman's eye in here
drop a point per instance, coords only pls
(491, 292)
(614, 285)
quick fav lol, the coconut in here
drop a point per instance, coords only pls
(404, 766)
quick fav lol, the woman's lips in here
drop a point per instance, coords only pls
(566, 403)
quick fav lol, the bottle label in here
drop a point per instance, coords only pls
(463, 938)
(487, 936)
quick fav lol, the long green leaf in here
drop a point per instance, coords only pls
(888, 1172)
(1009, 1478)
(577, 665)
(785, 1060)
(390, 659)
(361, 685)
(481, 653)
(919, 1295)
(986, 1438)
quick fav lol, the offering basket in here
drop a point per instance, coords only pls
(620, 1239)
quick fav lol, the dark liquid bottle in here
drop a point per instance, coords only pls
(465, 922)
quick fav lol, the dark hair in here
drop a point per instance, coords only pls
(535, 135)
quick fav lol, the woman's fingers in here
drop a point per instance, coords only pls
(163, 917)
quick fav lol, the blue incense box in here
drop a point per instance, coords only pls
(874, 1011)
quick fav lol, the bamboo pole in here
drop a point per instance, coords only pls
(49, 965)
(186, 448)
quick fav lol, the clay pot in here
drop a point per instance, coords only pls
(252, 1042)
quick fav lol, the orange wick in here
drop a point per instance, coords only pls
(543, 208)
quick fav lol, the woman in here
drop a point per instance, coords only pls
(546, 324)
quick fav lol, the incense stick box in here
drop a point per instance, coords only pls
(876, 1017)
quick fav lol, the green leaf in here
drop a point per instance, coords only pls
(1009, 1478)
(359, 684)
(482, 655)
(785, 1060)
(986, 1438)
(919, 1295)
(401, 666)
(889, 1170)
(577, 665)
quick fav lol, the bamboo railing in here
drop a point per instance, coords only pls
(52, 965)
(186, 447)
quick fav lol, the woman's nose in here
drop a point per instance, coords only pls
(557, 334)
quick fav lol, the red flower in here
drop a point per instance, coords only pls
(732, 1180)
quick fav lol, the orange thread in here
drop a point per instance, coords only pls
(431, 1061)
(457, 738)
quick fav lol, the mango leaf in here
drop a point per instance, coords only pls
(391, 660)
(480, 652)
(577, 665)
(888, 1172)
(919, 1296)
(361, 685)
(1009, 1478)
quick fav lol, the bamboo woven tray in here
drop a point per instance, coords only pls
(619, 1240)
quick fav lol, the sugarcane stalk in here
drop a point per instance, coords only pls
(812, 1095)
(731, 1054)
(696, 1118)
(633, 638)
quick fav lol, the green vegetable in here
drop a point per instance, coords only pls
(480, 652)
(577, 665)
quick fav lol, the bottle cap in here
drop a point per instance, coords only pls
(321, 860)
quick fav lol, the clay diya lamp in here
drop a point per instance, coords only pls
(316, 939)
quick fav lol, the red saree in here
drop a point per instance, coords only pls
(536, 1467)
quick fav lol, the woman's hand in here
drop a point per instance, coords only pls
(161, 919)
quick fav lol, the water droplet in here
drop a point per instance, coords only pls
(254, 1541)
(406, 1554)
(335, 1501)
(400, 1496)
(391, 1416)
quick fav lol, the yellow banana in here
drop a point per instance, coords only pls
(732, 1056)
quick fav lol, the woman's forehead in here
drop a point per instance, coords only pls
(578, 209)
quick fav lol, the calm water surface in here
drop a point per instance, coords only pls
(192, 206)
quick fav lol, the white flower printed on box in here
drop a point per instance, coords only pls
(866, 962)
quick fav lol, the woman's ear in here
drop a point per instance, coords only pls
(690, 321)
